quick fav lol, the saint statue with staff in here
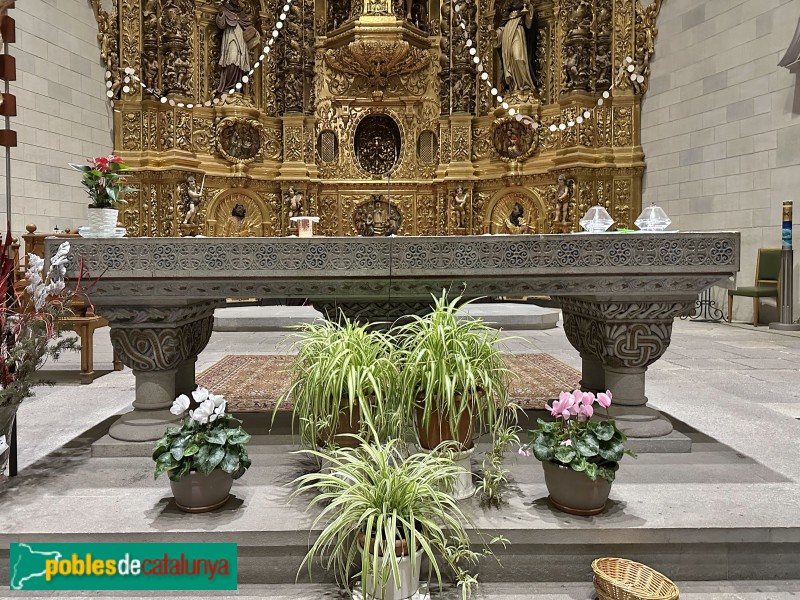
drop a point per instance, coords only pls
(516, 38)
(238, 37)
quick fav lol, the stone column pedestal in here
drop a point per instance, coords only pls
(161, 346)
(617, 342)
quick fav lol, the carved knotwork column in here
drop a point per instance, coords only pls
(161, 346)
(617, 342)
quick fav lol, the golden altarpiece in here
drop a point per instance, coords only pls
(373, 115)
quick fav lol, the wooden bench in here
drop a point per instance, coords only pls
(83, 321)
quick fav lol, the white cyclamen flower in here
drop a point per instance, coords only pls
(219, 405)
(203, 414)
(200, 395)
(180, 405)
(3, 444)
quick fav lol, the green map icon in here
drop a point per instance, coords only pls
(27, 564)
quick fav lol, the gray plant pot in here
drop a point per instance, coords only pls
(573, 492)
(196, 493)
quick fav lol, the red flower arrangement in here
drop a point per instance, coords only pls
(104, 181)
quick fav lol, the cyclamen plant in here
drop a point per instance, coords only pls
(104, 180)
(574, 440)
(209, 438)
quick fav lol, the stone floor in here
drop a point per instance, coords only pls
(737, 388)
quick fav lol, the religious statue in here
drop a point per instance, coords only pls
(378, 156)
(377, 218)
(516, 38)
(515, 223)
(460, 200)
(564, 194)
(236, 226)
(234, 58)
(191, 197)
(294, 200)
(150, 68)
(338, 13)
(419, 14)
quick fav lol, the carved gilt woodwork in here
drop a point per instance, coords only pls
(355, 90)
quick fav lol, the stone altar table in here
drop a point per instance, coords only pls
(619, 294)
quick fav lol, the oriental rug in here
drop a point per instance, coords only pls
(255, 383)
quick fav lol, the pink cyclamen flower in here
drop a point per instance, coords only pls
(566, 443)
(604, 399)
(586, 410)
(578, 395)
(525, 453)
(588, 399)
(563, 407)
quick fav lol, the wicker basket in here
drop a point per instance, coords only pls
(621, 579)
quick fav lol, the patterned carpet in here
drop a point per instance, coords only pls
(254, 383)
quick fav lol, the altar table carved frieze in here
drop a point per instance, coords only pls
(619, 294)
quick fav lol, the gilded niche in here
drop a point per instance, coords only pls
(377, 217)
(513, 140)
(516, 213)
(236, 214)
(239, 140)
(377, 144)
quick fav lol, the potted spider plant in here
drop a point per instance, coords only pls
(382, 514)
(340, 384)
(580, 453)
(454, 378)
(204, 454)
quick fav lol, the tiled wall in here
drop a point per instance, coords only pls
(63, 113)
(721, 122)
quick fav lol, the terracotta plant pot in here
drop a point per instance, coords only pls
(573, 492)
(196, 493)
(347, 424)
(409, 578)
(438, 429)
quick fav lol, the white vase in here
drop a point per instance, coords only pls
(409, 582)
(103, 222)
(465, 488)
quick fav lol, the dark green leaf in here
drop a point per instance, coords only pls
(587, 444)
(591, 471)
(612, 451)
(181, 471)
(607, 473)
(564, 454)
(165, 462)
(208, 457)
(579, 464)
(238, 436)
(191, 449)
(544, 447)
(604, 430)
(230, 463)
(216, 436)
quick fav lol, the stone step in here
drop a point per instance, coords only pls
(713, 590)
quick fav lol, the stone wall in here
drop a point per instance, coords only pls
(721, 122)
(63, 116)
